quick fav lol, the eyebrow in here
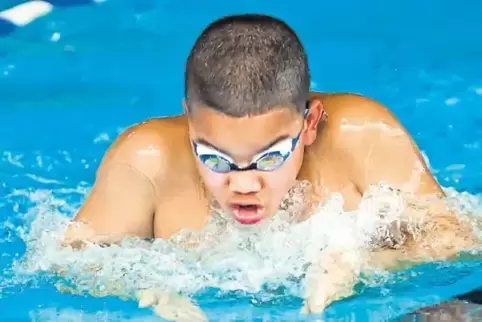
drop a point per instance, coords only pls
(266, 147)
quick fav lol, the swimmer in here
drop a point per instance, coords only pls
(250, 130)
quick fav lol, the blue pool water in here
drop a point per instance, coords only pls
(72, 80)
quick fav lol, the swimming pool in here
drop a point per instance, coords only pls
(72, 80)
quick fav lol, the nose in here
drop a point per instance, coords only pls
(244, 182)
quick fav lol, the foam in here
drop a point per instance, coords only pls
(268, 262)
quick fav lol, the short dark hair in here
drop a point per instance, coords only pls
(247, 64)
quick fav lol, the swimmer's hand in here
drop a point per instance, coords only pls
(171, 306)
(332, 277)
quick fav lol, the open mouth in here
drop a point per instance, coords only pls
(247, 214)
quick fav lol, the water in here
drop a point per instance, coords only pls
(71, 81)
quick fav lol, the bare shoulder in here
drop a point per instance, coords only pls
(346, 108)
(375, 146)
(148, 146)
(354, 118)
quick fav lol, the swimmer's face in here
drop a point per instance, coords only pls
(248, 164)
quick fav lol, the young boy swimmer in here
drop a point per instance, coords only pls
(251, 130)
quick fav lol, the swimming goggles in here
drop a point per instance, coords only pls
(268, 160)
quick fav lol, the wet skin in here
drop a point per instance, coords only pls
(151, 184)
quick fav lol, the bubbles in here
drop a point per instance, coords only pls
(225, 257)
(268, 261)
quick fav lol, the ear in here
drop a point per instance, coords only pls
(184, 105)
(316, 115)
(186, 113)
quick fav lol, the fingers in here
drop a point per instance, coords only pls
(314, 305)
(147, 297)
(305, 309)
(186, 309)
(319, 295)
(180, 313)
(329, 279)
(171, 306)
(166, 313)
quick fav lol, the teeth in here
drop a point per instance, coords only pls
(256, 209)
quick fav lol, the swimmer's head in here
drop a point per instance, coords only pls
(247, 100)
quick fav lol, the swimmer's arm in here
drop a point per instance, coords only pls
(120, 204)
(375, 148)
(383, 151)
(122, 200)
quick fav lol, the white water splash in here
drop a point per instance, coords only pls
(269, 257)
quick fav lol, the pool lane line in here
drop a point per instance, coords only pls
(25, 13)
